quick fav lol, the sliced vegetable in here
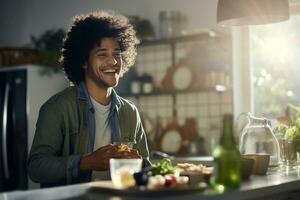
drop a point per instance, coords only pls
(165, 166)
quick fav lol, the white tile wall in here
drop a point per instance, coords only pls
(203, 98)
(227, 98)
(181, 112)
(214, 98)
(206, 107)
(181, 121)
(194, 105)
(212, 139)
(215, 109)
(192, 98)
(181, 99)
(227, 108)
(192, 111)
(203, 111)
(203, 123)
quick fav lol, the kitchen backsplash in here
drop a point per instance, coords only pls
(198, 101)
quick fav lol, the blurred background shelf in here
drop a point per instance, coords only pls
(182, 85)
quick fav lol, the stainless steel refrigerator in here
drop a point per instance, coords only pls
(23, 89)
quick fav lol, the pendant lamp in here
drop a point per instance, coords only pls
(251, 12)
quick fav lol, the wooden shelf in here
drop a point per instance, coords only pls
(199, 36)
(159, 92)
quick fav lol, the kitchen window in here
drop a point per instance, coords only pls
(275, 62)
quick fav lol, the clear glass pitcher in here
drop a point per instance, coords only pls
(258, 138)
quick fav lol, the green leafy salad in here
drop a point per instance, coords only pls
(165, 166)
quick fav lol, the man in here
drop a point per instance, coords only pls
(78, 128)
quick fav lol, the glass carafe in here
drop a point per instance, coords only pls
(258, 138)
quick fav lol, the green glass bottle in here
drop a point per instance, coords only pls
(227, 159)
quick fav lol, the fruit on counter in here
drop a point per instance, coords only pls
(142, 177)
(181, 180)
(162, 174)
(155, 182)
(170, 180)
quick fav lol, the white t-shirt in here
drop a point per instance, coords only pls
(102, 134)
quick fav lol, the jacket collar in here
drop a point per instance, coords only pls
(115, 99)
(83, 94)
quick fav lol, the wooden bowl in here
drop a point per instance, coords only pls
(197, 177)
(247, 167)
(261, 162)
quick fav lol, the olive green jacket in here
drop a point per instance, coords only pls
(63, 135)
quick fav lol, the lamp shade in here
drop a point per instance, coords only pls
(251, 12)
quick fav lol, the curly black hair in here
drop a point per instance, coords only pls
(87, 31)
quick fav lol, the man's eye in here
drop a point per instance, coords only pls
(118, 54)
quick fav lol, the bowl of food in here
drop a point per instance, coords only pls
(196, 173)
(161, 175)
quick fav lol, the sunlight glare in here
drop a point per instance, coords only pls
(277, 48)
(289, 93)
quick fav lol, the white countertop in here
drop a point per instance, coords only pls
(278, 183)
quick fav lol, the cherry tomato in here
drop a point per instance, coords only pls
(170, 180)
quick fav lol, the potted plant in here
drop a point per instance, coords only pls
(290, 141)
(48, 46)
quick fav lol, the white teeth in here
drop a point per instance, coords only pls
(109, 70)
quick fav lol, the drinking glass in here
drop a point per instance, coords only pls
(290, 152)
(122, 170)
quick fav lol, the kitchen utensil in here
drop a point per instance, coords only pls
(258, 138)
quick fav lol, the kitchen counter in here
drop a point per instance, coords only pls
(205, 160)
(276, 185)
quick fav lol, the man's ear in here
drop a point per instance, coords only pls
(85, 66)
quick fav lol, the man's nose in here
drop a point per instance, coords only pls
(112, 60)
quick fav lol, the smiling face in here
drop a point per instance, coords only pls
(104, 64)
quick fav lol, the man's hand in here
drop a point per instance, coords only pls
(99, 159)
